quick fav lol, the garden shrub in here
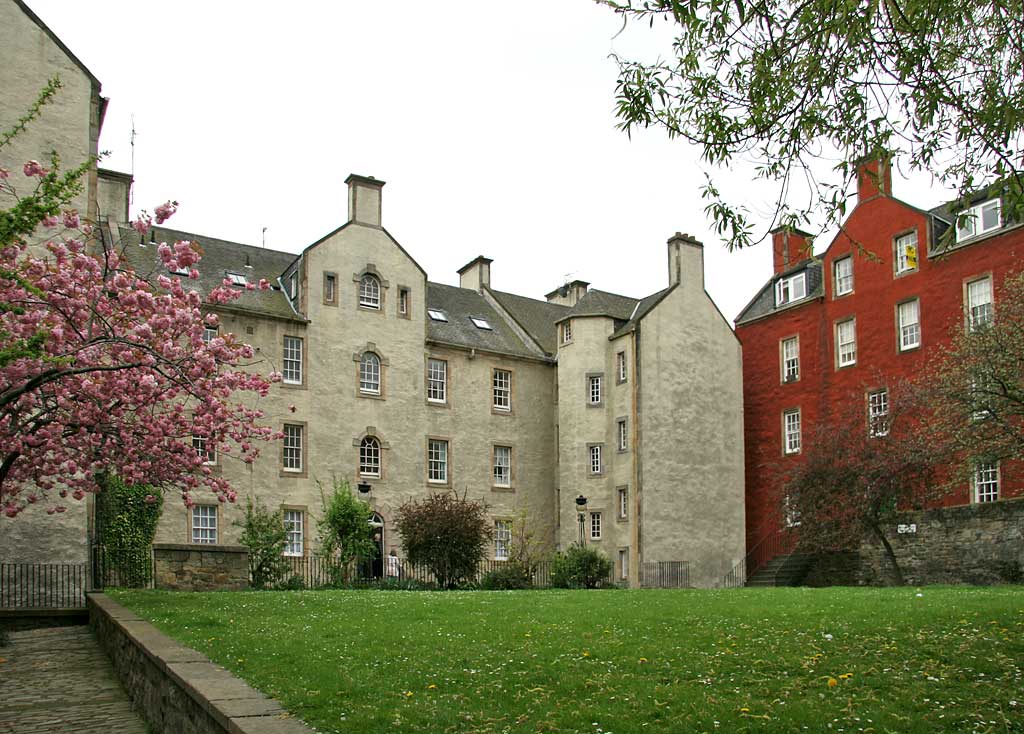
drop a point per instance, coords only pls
(581, 567)
(126, 520)
(345, 532)
(446, 533)
(292, 583)
(264, 535)
(509, 576)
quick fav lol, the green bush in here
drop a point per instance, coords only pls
(447, 534)
(264, 536)
(292, 583)
(126, 519)
(581, 567)
(345, 532)
(509, 576)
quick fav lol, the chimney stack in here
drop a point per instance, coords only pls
(476, 274)
(874, 177)
(364, 195)
(685, 261)
(568, 294)
(789, 247)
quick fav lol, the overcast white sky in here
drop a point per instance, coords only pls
(492, 124)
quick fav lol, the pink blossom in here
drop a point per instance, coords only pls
(32, 168)
(142, 223)
(50, 221)
(4, 173)
(165, 211)
(71, 219)
(150, 499)
(78, 494)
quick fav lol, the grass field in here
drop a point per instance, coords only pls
(938, 659)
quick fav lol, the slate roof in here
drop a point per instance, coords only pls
(642, 309)
(764, 302)
(459, 304)
(536, 318)
(219, 257)
(603, 303)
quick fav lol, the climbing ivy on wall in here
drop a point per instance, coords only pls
(126, 514)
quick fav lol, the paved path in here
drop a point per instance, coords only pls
(58, 681)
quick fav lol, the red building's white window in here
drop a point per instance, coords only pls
(909, 314)
(791, 431)
(986, 483)
(846, 343)
(979, 303)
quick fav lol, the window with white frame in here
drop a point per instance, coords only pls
(437, 461)
(293, 286)
(980, 391)
(204, 448)
(986, 482)
(236, 278)
(437, 380)
(843, 273)
(369, 374)
(292, 360)
(292, 454)
(595, 459)
(502, 539)
(909, 316)
(369, 457)
(979, 219)
(790, 514)
(594, 389)
(878, 413)
(623, 497)
(293, 533)
(906, 252)
(791, 289)
(204, 523)
(502, 390)
(566, 332)
(502, 466)
(791, 431)
(621, 365)
(403, 301)
(481, 323)
(790, 359)
(437, 314)
(623, 563)
(979, 303)
(846, 343)
(210, 333)
(595, 525)
(622, 433)
(369, 292)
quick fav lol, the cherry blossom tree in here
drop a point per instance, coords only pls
(102, 370)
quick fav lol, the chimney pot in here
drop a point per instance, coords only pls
(789, 247)
(364, 199)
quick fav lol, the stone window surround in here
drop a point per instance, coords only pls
(507, 523)
(782, 358)
(586, 395)
(593, 515)
(565, 333)
(357, 441)
(330, 301)
(305, 528)
(835, 277)
(357, 278)
(448, 461)
(987, 275)
(800, 431)
(511, 486)
(621, 424)
(998, 483)
(216, 519)
(835, 340)
(621, 367)
(590, 472)
(357, 357)
(876, 398)
(899, 326)
(896, 272)
(303, 449)
(619, 515)
(447, 381)
(408, 302)
(301, 384)
(511, 391)
(623, 559)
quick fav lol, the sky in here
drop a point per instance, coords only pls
(492, 123)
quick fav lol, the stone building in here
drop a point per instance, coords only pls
(405, 386)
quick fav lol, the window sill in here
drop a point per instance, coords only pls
(503, 489)
(438, 403)
(905, 273)
(369, 395)
(501, 411)
(595, 405)
(369, 309)
(904, 350)
(292, 473)
(293, 385)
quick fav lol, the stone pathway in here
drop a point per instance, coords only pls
(58, 681)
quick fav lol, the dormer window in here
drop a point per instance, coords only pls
(293, 286)
(179, 270)
(437, 315)
(791, 289)
(481, 323)
(236, 279)
(979, 219)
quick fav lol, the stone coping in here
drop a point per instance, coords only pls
(201, 547)
(234, 705)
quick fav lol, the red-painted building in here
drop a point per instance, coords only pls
(849, 322)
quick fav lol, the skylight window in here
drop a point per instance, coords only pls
(481, 323)
(179, 270)
(437, 315)
(236, 279)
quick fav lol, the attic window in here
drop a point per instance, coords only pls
(791, 289)
(978, 220)
(178, 270)
(437, 315)
(236, 279)
(481, 323)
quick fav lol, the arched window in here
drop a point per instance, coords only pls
(369, 457)
(369, 292)
(369, 373)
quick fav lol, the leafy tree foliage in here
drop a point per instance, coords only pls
(977, 385)
(785, 84)
(447, 533)
(101, 370)
(581, 567)
(853, 478)
(264, 535)
(345, 527)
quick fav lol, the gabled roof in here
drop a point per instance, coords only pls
(642, 309)
(56, 39)
(764, 302)
(459, 306)
(219, 258)
(536, 318)
(603, 303)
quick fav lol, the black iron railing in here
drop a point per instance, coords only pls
(42, 585)
(665, 574)
(776, 543)
(130, 567)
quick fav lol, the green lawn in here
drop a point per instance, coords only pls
(938, 659)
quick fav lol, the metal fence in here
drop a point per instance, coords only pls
(776, 543)
(665, 575)
(43, 585)
(130, 567)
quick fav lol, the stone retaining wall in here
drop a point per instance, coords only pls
(198, 567)
(176, 689)
(972, 544)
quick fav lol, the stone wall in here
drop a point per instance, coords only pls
(195, 567)
(176, 689)
(970, 544)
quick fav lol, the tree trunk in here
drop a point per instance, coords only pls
(890, 554)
